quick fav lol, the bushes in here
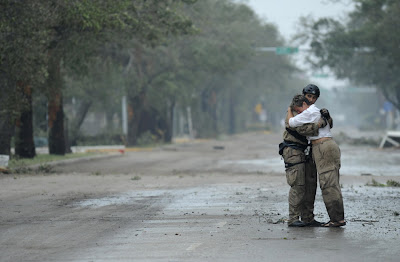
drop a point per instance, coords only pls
(145, 138)
(101, 139)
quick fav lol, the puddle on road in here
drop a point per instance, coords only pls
(121, 199)
(255, 165)
(184, 199)
(355, 161)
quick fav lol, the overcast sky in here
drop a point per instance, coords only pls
(285, 15)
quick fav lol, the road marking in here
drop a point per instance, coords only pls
(193, 246)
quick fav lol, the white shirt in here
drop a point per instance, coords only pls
(310, 115)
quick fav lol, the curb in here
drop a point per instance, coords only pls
(75, 160)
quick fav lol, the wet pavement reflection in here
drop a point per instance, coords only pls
(355, 161)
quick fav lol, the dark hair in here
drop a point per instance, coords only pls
(298, 101)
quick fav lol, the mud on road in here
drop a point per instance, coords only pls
(198, 201)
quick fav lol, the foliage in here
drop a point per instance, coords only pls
(23, 40)
(24, 36)
(217, 59)
(393, 183)
(375, 183)
(220, 66)
(164, 55)
(147, 138)
(150, 22)
(38, 38)
(389, 183)
(101, 88)
(101, 139)
(363, 48)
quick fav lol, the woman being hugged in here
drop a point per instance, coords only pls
(326, 154)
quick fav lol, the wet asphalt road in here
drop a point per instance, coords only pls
(187, 202)
(242, 222)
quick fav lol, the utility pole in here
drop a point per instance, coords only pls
(124, 116)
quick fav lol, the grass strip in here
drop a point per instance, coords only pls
(389, 183)
(45, 158)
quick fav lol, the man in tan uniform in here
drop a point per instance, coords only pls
(326, 154)
(301, 173)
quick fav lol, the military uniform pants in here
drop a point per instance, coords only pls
(310, 191)
(302, 179)
(327, 158)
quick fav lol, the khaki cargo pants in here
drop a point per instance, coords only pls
(302, 179)
(327, 159)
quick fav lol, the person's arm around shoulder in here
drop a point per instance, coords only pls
(300, 119)
(311, 129)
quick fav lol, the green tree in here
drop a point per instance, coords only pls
(184, 68)
(163, 21)
(80, 28)
(212, 67)
(23, 40)
(233, 72)
(224, 45)
(212, 71)
(364, 48)
(66, 34)
(99, 89)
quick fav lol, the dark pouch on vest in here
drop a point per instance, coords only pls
(281, 147)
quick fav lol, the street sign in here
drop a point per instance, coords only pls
(286, 50)
(320, 75)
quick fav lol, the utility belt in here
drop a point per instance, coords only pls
(305, 148)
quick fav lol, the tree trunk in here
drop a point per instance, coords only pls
(6, 132)
(206, 125)
(76, 124)
(55, 109)
(232, 116)
(136, 102)
(7, 123)
(135, 108)
(110, 127)
(213, 113)
(169, 122)
(24, 144)
(68, 149)
(56, 124)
